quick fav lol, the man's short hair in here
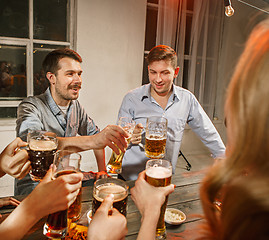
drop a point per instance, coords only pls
(51, 61)
(162, 52)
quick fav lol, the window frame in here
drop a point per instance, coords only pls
(29, 44)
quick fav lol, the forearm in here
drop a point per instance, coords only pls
(100, 159)
(148, 227)
(19, 222)
(78, 144)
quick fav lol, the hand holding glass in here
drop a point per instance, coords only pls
(159, 174)
(104, 187)
(115, 162)
(65, 162)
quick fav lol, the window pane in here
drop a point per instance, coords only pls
(153, 1)
(185, 74)
(145, 79)
(50, 20)
(14, 19)
(190, 4)
(151, 28)
(188, 34)
(8, 112)
(12, 72)
(40, 52)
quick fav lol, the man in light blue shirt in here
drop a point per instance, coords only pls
(162, 98)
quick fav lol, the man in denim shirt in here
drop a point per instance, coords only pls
(162, 98)
(57, 109)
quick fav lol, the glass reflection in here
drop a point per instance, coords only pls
(12, 72)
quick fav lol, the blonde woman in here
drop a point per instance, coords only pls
(241, 181)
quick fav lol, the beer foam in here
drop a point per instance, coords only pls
(155, 137)
(106, 189)
(41, 145)
(159, 172)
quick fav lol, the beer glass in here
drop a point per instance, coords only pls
(65, 162)
(41, 148)
(105, 186)
(156, 133)
(159, 174)
(115, 161)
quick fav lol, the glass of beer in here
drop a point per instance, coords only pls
(41, 148)
(105, 186)
(159, 174)
(115, 161)
(65, 162)
(156, 134)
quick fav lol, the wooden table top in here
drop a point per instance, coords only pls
(185, 197)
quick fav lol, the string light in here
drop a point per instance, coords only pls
(229, 11)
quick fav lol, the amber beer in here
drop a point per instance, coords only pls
(155, 146)
(156, 134)
(41, 155)
(104, 187)
(159, 174)
(115, 162)
(74, 211)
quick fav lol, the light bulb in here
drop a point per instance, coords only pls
(229, 11)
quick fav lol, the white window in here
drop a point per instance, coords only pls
(29, 29)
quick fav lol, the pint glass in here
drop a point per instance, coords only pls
(158, 174)
(42, 146)
(115, 161)
(156, 133)
(65, 162)
(105, 186)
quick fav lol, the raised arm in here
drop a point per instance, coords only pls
(48, 197)
(111, 136)
(144, 195)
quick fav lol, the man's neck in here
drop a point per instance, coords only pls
(58, 100)
(161, 99)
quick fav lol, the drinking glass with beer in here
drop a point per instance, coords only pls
(42, 145)
(65, 162)
(115, 162)
(105, 186)
(156, 134)
(159, 174)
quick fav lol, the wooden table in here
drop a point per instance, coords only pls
(185, 198)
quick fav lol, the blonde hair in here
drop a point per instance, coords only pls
(247, 112)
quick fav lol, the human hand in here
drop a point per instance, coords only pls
(59, 194)
(13, 162)
(112, 136)
(143, 194)
(137, 134)
(106, 225)
(8, 201)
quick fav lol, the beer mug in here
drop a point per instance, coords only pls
(159, 174)
(156, 134)
(105, 186)
(115, 161)
(65, 162)
(41, 148)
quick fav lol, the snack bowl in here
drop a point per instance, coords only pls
(89, 216)
(174, 216)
